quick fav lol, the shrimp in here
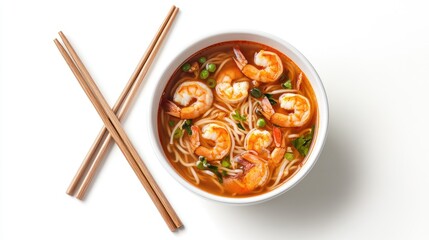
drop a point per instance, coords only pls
(279, 151)
(193, 91)
(271, 64)
(296, 103)
(231, 92)
(255, 174)
(218, 135)
(259, 141)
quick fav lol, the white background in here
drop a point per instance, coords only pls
(371, 181)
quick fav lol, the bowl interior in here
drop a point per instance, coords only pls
(281, 46)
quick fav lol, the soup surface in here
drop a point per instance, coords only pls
(237, 119)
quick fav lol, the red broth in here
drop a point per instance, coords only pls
(217, 129)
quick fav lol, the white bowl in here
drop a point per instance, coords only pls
(275, 43)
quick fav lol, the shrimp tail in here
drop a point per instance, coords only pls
(239, 58)
(267, 109)
(243, 160)
(255, 173)
(277, 136)
(196, 144)
(276, 156)
(171, 108)
(195, 137)
(252, 157)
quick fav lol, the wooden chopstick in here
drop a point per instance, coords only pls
(112, 124)
(103, 141)
(115, 129)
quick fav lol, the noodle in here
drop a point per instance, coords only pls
(174, 130)
(181, 149)
(238, 119)
(196, 178)
(215, 181)
(283, 171)
(303, 132)
(286, 171)
(249, 118)
(220, 107)
(299, 81)
(221, 66)
(283, 91)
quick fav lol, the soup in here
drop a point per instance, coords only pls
(237, 119)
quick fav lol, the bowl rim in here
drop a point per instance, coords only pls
(255, 36)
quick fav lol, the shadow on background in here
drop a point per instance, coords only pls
(319, 197)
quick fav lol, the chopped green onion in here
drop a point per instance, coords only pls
(255, 92)
(178, 133)
(287, 84)
(211, 83)
(224, 173)
(261, 123)
(240, 126)
(202, 60)
(186, 67)
(211, 67)
(171, 123)
(204, 74)
(289, 156)
(226, 163)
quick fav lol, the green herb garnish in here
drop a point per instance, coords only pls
(214, 170)
(187, 126)
(289, 156)
(238, 117)
(302, 144)
(226, 163)
(178, 133)
(202, 164)
(255, 92)
(287, 84)
(271, 99)
(171, 123)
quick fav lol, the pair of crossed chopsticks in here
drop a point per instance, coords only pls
(113, 128)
